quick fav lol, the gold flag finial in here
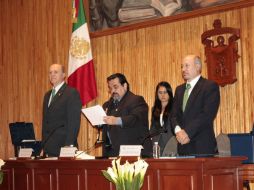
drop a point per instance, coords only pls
(74, 12)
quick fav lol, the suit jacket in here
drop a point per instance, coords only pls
(61, 120)
(133, 111)
(197, 119)
(162, 133)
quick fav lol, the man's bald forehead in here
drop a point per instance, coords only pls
(58, 66)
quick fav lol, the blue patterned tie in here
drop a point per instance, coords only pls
(186, 95)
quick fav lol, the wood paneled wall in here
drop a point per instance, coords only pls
(35, 34)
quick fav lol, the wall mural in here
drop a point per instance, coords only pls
(113, 13)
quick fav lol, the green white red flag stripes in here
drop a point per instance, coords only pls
(80, 69)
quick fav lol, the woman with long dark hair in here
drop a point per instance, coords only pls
(160, 123)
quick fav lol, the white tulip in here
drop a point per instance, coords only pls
(127, 175)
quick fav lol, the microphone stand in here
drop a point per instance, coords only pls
(98, 141)
(45, 142)
(153, 135)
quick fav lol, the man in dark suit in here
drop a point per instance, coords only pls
(196, 103)
(127, 118)
(61, 114)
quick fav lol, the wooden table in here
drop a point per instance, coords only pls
(246, 171)
(163, 174)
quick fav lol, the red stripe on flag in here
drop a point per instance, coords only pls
(83, 79)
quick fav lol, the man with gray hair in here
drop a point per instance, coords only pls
(196, 103)
(61, 113)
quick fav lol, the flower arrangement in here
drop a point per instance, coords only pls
(1, 173)
(127, 176)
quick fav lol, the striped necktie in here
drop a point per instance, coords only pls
(186, 95)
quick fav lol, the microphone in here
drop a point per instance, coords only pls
(99, 126)
(98, 141)
(50, 134)
(78, 153)
(151, 135)
(89, 149)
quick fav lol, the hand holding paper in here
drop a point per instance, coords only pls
(95, 115)
(110, 120)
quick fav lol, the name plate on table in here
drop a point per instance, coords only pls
(130, 150)
(67, 152)
(25, 152)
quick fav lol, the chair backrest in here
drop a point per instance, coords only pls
(21, 131)
(171, 147)
(223, 144)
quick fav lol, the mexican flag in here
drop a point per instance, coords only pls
(80, 69)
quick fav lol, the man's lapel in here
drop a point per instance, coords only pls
(48, 97)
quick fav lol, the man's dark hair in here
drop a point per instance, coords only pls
(121, 77)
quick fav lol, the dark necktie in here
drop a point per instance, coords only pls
(186, 95)
(53, 93)
(116, 103)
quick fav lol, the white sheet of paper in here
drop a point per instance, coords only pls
(67, 152)
(95, 114)
(25, 152)
(130, 150)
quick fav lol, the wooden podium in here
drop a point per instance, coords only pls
(162, 174)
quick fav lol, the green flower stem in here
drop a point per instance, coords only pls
(1, 177)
